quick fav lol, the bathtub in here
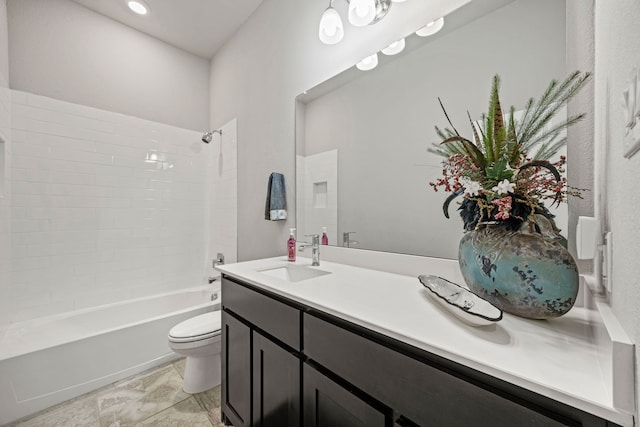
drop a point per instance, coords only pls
(49, 360)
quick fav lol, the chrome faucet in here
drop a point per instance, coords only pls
(315, 248)
(346, 240)
(219, 259)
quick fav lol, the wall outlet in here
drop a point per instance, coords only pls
(607, 262)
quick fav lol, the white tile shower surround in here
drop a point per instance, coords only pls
(320, 168)
(101, 207)
(223, 196)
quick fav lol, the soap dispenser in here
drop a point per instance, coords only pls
(291, 245)
(325, 239)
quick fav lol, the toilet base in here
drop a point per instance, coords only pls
(201, 373)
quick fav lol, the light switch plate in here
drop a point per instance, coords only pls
(587, 232)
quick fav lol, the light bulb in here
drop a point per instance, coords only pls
(395, 47)
(362, 12)
(431, 28)
(331, 29)
(138, 7)
(368, 63)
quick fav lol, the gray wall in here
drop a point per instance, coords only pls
(580, 56)
(383, 122)
(256, 76)
(65, 51)
(4, 45)
(617, 199)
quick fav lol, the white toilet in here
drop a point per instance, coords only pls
(198, 339)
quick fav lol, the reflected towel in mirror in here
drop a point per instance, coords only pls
(276, 206)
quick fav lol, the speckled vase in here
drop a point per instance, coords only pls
(527, 272)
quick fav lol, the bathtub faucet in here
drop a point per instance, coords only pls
(219, 259)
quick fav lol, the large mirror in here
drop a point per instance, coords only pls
(362, 136)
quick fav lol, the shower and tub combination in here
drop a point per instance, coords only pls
(48, 360)
(121, 265)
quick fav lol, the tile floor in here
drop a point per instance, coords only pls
(153, 398)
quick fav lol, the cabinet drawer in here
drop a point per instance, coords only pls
(276, 318)
(424, 394)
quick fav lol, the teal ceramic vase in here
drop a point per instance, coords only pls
(527, 272)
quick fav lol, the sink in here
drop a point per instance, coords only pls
(293, 273)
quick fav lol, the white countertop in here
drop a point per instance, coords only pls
(555, 358)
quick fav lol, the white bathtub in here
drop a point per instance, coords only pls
(49, 360)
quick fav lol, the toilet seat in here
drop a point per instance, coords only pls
(198, 328)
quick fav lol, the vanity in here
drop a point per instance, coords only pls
(342, 345)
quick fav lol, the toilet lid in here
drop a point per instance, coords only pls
(197, 327)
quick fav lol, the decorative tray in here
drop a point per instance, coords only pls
(461, 301)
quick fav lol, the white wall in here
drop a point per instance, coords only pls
(222, 176)
(68, 52)
(617, 199)
(4, 45)
(580, 56)
(5, 141)
(103, 207)
(256, 76)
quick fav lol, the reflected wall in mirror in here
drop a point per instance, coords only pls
(362, 137)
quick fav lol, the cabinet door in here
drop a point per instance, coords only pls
(276, 385)
(236, 371)
(326, 404)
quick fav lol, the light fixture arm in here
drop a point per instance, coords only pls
(382, 8)
(361, 13)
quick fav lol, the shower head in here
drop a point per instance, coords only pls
(208, 136)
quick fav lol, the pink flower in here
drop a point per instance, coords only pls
(504, 207)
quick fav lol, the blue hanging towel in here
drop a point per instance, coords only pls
(276, 206)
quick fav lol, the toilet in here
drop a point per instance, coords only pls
(198, 338)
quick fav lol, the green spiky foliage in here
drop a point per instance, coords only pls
(509, 150)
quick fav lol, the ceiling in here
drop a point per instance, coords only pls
(197, 26)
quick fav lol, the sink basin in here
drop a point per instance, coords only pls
(293, 273)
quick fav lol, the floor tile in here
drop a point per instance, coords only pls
(179, 365)
(130, 402)
(210, 401)
(80, 412)
(153, 398)
(184, 414)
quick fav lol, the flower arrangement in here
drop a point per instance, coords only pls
(504, 174)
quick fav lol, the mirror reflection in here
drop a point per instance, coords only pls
(363, 169)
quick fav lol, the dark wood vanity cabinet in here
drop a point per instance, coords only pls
(276, 384)
(327, 404)
(286, 364)
(261, 361)
(236, 370)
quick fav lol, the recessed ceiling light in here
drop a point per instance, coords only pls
(138, 7)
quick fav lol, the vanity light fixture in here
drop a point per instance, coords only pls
(431, 28)
(331, 29)
(368, 63)
(394, 48)
(138, 7)
(361, 13)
